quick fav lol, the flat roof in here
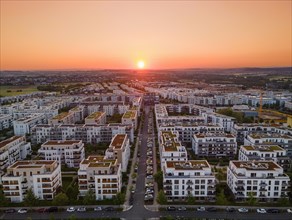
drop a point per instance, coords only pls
(214, 134)
(98, 161)
(129, 114)
(256, 165)
(32, 163)
(118, 140)
(269, 135)
(61, 115)
(95, 115)
(188, 165)
(263, 148)
(61, 142)
(8, 141)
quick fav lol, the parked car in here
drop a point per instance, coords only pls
(98, 208)
(243, 210)
(229, 209)
(273, 210)
(10, 210)
(149, 177)
(81, 209)
(52, 209)
(212, 209)
(171, 208)
(41, 210)
(22, 211)
(70, 209)
(289, 210)
(182, 208)
(201, 209)
(263, 211)
(110, 209)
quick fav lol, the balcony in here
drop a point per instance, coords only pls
(263, 184)
(238, 183)
(262, 189)
(167, 183)
(168, 187)
(189, 182)
(189, 188)
(239, 189)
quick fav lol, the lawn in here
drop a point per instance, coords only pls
(16, 90)
(66, 181)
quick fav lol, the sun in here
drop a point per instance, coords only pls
(141, 64)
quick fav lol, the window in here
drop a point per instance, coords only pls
(176, 182)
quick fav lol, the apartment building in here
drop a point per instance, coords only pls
(225, 121)
(24, 125)
(43, 177)
(130, 117)
(171, 148)
(264, 179)
(11, 150)
(182, 179)
(87, 133)
(5, 121)
(270, 138)
(96, 118)
(214, 144)
(103, 176)
(66, 152)
(265, 152)
(186, 130)
(63, 118)
(78, 113)
(119, 149)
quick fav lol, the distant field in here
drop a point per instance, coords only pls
(16, 90)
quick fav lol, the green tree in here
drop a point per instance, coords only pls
(161, 198)
(158, 177)
(3, 200)
(61, 199)
(251, 199)
(283, 201)
(221, 198)
(30, 198)
(119, 198)
(89, 197)
(191, 199)
(72, 192)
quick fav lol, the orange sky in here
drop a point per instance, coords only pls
(175, 34)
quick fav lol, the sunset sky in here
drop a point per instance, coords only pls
(116, 34)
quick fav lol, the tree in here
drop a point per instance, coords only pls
(72, 217)
(158, 177)
(119, 198)
(161, 198)
(283, 201)
(221, 198)
(3, 200)
(190, 199)
(89, 197)
(52, 217)
(61, 199)
(30, 199)
(251, 199)
(72, 192)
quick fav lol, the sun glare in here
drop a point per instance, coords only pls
(140, 64)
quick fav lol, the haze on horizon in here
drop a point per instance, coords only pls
(190, 34)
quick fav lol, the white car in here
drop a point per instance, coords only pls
(149, 177)
(243, 210)
(81, 209)
(22, 211)
(201, 209)
(98, 208)
(289, 210)
(71, 209)
(263, 211)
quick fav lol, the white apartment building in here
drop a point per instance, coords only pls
(171, 148)
(265, 152)
(188, 178)
(123, 108)
(63, 118)
(87, 133)
(78, 113)
(69, 153)
(264, 179)
(96, 118)
(23, 126)
(130, 117)
(225, 121)
(43, 177)
(11, 150)
(270, 138)
(5, 121)
(187, 130)
(214, 144)
(103, 176)
(119, 149)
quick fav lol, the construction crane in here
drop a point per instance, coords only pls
(261, 105)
